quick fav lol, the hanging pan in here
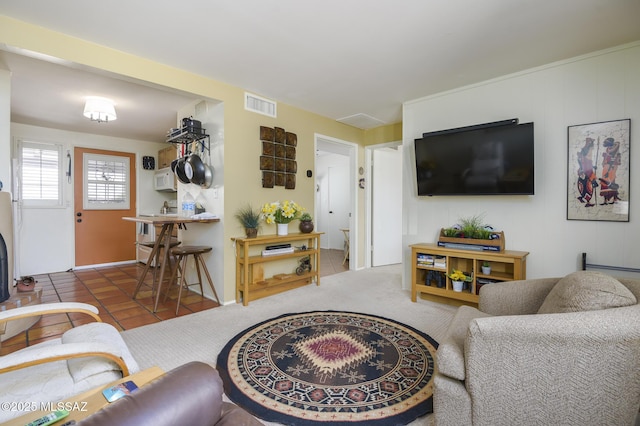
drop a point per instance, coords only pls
(208, 174)
(180, 168)
(195, 168)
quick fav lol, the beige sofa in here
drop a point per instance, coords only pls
(509, 364)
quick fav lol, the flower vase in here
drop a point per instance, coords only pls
(457, 286)
(283, 228)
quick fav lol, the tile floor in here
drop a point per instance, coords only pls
(110, 289)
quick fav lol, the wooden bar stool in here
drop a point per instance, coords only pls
(154, 253)
(183, 254)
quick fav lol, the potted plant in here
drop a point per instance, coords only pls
(486, 268)
(457, 278)
(472, 231)
(306, 223)
(249, 218)
(281, 213)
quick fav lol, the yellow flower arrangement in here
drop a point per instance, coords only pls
(458, 275)
(283, 212)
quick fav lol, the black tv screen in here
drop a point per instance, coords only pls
(487, 159)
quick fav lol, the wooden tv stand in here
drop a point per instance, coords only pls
(507, 265)
(250, 283)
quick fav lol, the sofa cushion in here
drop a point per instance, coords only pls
(586, 291)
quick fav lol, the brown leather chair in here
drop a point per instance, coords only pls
(188, 395)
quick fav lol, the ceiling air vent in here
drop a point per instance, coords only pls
(361, 121)
(260, 105)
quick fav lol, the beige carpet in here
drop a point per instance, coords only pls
(201, 336)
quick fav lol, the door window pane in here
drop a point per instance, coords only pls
(106, 182)
(40, 174)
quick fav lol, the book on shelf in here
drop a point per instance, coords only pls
(424, 259)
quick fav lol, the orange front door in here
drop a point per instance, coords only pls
(103, 194)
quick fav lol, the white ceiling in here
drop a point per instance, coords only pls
(52, 94)
(337, 58)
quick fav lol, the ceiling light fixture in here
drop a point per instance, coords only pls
(99, 109)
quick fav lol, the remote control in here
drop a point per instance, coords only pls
(49, 418)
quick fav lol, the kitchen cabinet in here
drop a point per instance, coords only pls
(166, 156)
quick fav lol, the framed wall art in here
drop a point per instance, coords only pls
(598, 171)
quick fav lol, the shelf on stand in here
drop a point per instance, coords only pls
(250, 283)
(506, 265)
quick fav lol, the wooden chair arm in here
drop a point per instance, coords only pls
(49, 308)
(36, 355)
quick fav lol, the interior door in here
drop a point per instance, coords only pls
(386, 219)
(104, 192)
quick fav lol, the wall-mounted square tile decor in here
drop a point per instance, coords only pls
(278, 158)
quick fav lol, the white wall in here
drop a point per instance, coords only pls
(5, 136)
(208, 234)
(45, 238)
(598, 87)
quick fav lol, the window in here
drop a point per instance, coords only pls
(40, 174)
(106, 182)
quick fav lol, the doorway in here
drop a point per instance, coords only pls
(384, 204)
(336, 196)
(104, 193)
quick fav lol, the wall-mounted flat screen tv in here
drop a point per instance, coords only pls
(486, 159)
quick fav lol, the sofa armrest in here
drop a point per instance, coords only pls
(520, 297)
(450, 353)
(545, 369)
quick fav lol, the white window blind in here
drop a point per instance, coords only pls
(106, 182)
(40, 174)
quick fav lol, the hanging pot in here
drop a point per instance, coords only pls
(195, 169)
(179, 169)
(208, 176)
(180, 172)
(208, 170)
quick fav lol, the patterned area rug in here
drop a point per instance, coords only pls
(330, 367)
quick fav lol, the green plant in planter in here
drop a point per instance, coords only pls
(482, 234)
(306, 223)
(249, 218)
(450, 232)
(472, 226)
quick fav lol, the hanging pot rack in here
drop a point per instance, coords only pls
(186, 136)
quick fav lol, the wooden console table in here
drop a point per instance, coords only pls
(250, 283)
